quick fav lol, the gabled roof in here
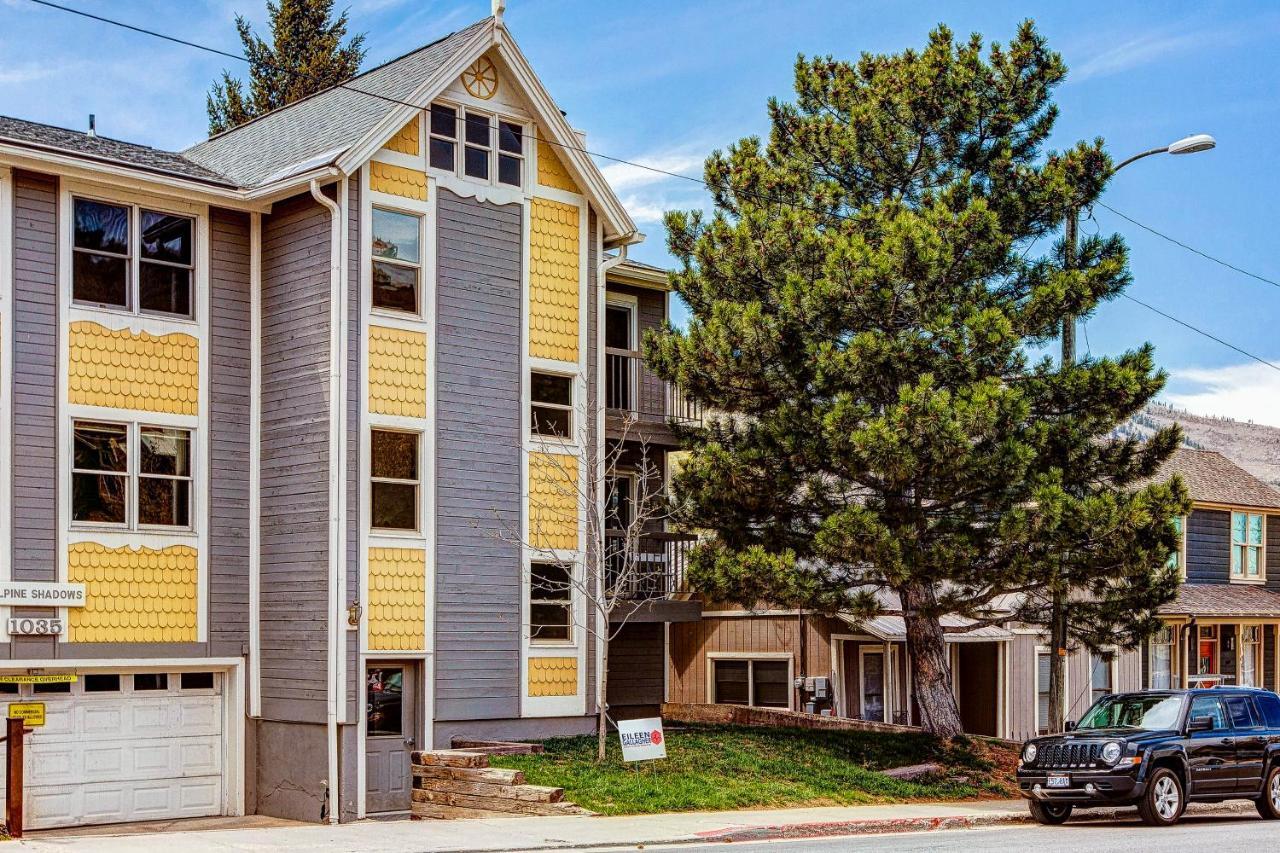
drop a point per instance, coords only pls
(30, 134)
(329, 122)
(1213, 478)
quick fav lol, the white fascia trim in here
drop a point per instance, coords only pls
(398, 115)
(336, 456)
(255, 464)
(7, 339)
(619, 225)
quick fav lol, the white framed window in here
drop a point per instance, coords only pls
(1160, 659)
(1248, 533)
(551, 405)
(550, 603)
(477, 145)
(1250, 655)
(1102, 675)
(131, 476)
(395, 489)
(754, 682)
(397, 261)
(621, 358)
(132, 258)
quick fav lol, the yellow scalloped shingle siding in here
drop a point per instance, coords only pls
(397, 599)
(553, 280)
(553, 501)
(406, 140)
(551, 170)
(122, 370)
(142, 596)
(397, 180)
(553, 676)
(397, 372)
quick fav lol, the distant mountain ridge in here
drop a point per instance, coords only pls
(1254, 447)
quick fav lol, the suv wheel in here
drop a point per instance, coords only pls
(1163, 802)
(1050, 814)
(1269, 803)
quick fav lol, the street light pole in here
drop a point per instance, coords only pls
(1059, 622)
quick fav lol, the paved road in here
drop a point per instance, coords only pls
(1219, 835)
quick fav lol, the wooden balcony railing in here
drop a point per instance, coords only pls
(630, 389)
(651, 566)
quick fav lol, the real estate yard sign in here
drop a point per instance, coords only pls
(642, 740)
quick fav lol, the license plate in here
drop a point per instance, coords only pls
(1059, 780)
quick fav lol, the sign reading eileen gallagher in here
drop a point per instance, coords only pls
(642, 740)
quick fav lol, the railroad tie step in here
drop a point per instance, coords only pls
(452, 784)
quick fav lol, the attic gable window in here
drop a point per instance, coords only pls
(476, 145)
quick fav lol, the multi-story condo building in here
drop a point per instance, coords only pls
(275, 415)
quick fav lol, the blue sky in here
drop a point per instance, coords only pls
(665, 82)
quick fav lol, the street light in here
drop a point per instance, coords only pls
(1193, 144)
(1058, 617)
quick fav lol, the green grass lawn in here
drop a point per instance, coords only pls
(712, 768)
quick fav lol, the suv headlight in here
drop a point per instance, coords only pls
(1111, 752)
(1029, 753)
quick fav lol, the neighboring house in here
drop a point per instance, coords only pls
(269, 401)
(1222, 628)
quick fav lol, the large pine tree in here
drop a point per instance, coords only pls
(306, 55)
(865, 299)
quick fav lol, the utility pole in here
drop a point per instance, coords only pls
(1059, 621)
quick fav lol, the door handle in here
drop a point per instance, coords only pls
(1226, 741)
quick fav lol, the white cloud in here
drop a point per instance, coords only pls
(1244, 392)
(1157, 45)
(26, 73)
(625, 176)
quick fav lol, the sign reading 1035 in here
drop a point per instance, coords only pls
(26, 626)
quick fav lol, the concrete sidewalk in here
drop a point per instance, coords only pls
(558, 833)
(543, 833)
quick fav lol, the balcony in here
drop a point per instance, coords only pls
(650, 574)
(631, 391)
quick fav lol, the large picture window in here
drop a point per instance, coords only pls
(757, 683)
(131, 258)
(550, 602)
(1247, 530)
(395, 483)
(397, 261)
(114, 483)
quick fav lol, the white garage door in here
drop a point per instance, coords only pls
(124, 747)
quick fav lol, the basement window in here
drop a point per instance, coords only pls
(755, 683)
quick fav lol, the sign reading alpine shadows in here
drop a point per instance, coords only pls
(642, 740)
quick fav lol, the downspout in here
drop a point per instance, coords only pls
(335, 477)
(602, 631)
(255, 464)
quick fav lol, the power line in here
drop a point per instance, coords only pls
(657, 170)
(1191, 249)
(1199, 331)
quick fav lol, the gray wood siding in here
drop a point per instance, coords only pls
(355, 352)
(35, 377)
(229, 432)
(1208, 546)
(1269, 657)
(1272, 553)
(295, 460)
(477, 662)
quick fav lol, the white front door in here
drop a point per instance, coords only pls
(119, 747)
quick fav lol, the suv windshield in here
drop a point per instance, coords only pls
(1133, 712)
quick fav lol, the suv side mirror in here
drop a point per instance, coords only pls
(1200, 724)
(1069, 726)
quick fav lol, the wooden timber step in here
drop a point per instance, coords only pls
(496, 747)
(450, 784)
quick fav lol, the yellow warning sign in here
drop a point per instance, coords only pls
(43, 678)
(31, 713)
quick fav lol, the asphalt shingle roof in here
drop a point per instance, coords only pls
(1212, 478)
(1202, 599)
(105, 149)
(325, 124)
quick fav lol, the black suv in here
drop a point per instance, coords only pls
(1158, 750)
